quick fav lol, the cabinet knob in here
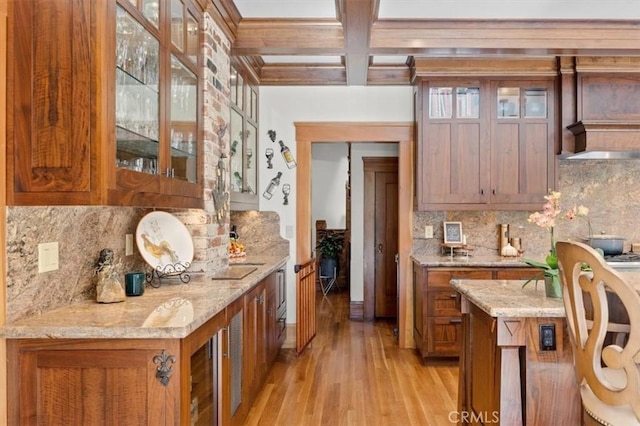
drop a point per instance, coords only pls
(454, 295)
(482, 192)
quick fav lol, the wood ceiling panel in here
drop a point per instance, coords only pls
(357, 34)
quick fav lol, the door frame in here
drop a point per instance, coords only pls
(341, 132)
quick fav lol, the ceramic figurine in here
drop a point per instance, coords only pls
(108, 288)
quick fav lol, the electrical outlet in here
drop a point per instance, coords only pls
(47, 257)
(428, 231)
(547, 337)
(128, 245)
(288, 231)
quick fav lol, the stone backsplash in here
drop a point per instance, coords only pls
(260, 232)
(609, 188)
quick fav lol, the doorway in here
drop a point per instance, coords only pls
(401, 133)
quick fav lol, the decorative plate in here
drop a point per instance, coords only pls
(164, 243)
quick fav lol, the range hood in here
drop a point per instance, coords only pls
(605, 140)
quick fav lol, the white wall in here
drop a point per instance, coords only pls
(281, 107)
(329, 174)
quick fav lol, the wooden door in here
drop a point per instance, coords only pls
(381, 237)
(49, 120)
(73, 382)
(452, 156)
(522, 154)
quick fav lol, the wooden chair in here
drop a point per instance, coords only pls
(607, 369)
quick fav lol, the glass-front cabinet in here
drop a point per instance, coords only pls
(110, 113)
(243, 143)
(157, 100)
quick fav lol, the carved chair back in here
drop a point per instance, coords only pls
(606, 352)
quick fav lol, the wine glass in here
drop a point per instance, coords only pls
(286, 190)
(269, 154)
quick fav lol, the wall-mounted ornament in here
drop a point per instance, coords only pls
(273, 185)
(286, 190)
(272, 135)
(287, 155)
(269, 154)
(220, 195)
(234, 147)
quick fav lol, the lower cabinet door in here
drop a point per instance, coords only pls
(67, 383)
(444, 336)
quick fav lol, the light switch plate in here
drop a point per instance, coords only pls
(288, 231)
(428, 231)
(128, 245)
(47, 257)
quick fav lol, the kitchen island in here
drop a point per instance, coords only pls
(437, 320)
(516, 365)
(194, 353)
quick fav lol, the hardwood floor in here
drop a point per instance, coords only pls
(354, 374)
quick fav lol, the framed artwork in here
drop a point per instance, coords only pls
(453, 233)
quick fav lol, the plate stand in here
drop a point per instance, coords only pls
(171, 271)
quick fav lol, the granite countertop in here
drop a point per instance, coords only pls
(173, 310)
(488, 261)
(507, 298)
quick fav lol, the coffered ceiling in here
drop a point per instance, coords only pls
(373, 42)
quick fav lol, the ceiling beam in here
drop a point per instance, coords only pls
(289, 37)
(358, 17)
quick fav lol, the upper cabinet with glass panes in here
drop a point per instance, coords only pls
(525, 102)
(244, 158)
(454, 102)
(158, 93)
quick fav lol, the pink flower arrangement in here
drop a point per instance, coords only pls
(547, 218)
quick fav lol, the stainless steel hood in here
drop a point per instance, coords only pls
(605, 140)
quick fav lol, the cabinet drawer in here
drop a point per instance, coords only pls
(516, 273)
(443, 303)
(444, 336)
(442, 278)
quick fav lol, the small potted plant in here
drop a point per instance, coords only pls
(329, 247)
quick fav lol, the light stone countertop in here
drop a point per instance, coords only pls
(173, 310)
(507, 298)
(471, 261)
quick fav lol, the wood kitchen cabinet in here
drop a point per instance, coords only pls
(256, 339)
(484, 143)
(437, 319)
(212, 376)
(243, 131)
(106, 103)
(84, 382)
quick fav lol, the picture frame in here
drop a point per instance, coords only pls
(453, 233)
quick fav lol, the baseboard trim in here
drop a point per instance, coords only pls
(356, 311)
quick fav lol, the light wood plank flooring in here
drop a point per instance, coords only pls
(355, 374)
